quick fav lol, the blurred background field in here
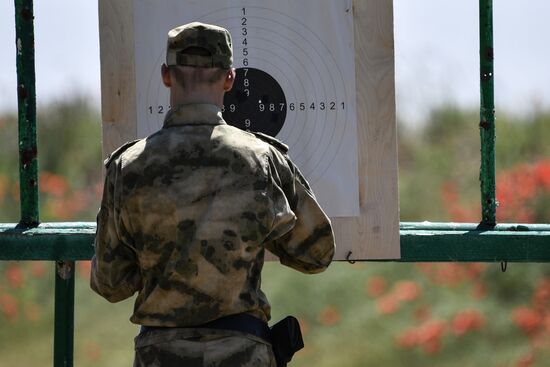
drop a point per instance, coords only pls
(366, 314)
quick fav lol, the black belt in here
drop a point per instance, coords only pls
(242, 322)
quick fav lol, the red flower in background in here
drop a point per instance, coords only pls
(527, 319)
(376, 286)
(466, 321)
(474, 270)
(541, 297)
(430, 334)
(14, 276)
(92, 351)
(427, 336)
(526, 361)
(84, 268)
(402, 291)
(64, 202)
(542, 172)
(406, 290)
(457, 212)
(8, 307)
(68, 206)
(329, 316)
(304, 325)
(431, 329)
(479, 290)
(516, 190)
(520, 185)
(432, 347)
(407, 338)
(53, 184)
(452, 274)
(534, 320)
(387, 305)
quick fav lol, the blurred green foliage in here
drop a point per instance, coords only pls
(367, 314)
(446, 149)
(69, 162)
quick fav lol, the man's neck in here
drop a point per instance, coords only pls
(178, 99)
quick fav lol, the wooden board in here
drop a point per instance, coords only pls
(372, 235)
(118, 96)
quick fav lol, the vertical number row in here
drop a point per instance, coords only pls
(246, 81)
(244, 34)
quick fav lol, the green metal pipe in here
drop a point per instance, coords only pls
(64, 314)
(48, 241)
(28, 179)
(487, 114)
(26, 98)
(475, 246)
(88, 229)
(419, 242)
(450, 226)
(47, 228)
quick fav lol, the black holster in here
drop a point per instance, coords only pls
(286, 339)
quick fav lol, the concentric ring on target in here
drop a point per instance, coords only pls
(304, 83)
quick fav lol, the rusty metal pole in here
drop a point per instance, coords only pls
(487, 114)
(28, 182)
(64, 314)
(26, 98)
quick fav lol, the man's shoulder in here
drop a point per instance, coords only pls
(251, 140)
(279, 145)
(117, 152)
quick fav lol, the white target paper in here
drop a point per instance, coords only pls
(295, 81)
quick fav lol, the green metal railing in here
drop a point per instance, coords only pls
(487, 114)
(26, 99)
(66, 243)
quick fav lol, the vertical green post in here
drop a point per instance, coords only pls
(487, 114)
(28, 178)
(64, 314)
(26, 98)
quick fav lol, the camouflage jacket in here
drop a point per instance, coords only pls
(187, 214)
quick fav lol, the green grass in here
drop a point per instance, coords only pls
(356, 335)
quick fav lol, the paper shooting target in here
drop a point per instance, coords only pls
(295, 81)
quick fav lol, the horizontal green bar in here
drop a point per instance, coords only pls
(475, 246)
(422, 241)
(48, 241)
(451, 226)
(80, 227)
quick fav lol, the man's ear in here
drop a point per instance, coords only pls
(165, 73)
(229, 80)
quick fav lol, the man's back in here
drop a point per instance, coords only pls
(186, 217)
(198, 203)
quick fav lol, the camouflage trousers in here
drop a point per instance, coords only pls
(188, 347)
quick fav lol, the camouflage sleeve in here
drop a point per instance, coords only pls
(115, 272)
(301, 234)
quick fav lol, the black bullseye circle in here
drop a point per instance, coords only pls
(256, 103)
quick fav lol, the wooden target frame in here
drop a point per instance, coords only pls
(375, 233)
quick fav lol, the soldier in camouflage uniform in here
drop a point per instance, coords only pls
(188, 212)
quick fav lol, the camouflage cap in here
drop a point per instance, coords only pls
(216, 40)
